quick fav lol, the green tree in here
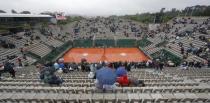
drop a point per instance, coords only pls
(2, 11)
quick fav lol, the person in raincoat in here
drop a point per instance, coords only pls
(56, 66)
(122, 77)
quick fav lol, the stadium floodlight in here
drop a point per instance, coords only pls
(187, 11)
(193, 10)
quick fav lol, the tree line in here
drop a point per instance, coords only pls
(197, 10)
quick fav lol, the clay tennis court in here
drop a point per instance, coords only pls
(94, 55)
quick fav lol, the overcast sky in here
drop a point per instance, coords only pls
(97, 7)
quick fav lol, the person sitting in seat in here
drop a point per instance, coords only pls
(105, 79)
(135, 82)
(122, 77)
(92, 74)
(8, 67)
(47, 75)
(56, 66)
(184, 65)
(123, 80)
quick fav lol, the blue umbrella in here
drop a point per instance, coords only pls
(121, 71)
(106, 76)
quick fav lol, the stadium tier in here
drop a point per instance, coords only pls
(104, 60)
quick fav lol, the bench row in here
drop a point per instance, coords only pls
(92, 84)
(75, 90)
(105, 98)
(89, 80)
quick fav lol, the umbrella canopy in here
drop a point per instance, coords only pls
(106, 76)
(121, 71)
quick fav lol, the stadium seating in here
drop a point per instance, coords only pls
(40, 49)
(78, 88)
(172, 85)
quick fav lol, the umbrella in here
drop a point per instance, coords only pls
(106, 76)
(121, 71)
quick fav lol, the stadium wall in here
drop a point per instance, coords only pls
(87, 43)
